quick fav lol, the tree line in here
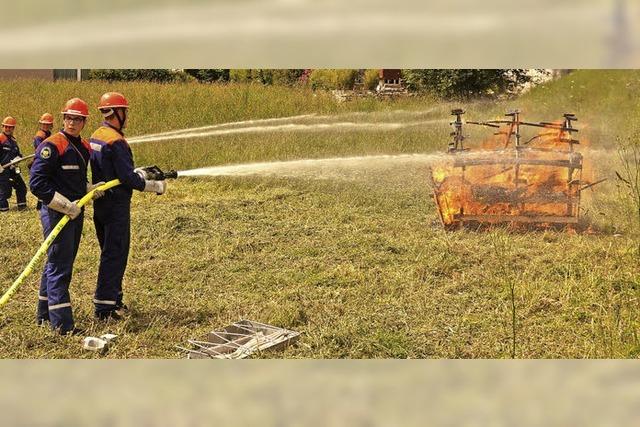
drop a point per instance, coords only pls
(445, 83)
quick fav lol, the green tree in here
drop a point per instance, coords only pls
(152, 75)
(209, 75)
(325, 78)
(266, 76)
(465, 83)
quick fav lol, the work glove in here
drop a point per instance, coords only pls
(158, 187)
(61, 204)
(98, 193)
(1, 169)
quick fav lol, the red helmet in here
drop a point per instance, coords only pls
(113, 100)
(76, 107)
(9, 121)
(46, 119)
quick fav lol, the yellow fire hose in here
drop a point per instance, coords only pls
(49, 240)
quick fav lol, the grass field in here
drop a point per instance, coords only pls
(351, 256)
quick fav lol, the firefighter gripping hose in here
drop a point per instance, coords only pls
(50, 238)
(152, 172)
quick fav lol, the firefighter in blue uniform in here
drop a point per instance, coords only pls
(10, 177)
(59, 179)
(44, 132)
(112, 158)
(46, 124)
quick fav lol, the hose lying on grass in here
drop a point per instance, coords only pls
(49, 240)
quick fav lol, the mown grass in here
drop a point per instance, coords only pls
(360, 265)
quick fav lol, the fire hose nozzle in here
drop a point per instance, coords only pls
(157, 174)
(172, 174)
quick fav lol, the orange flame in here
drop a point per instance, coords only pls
(536, 183)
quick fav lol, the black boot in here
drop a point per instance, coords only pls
(110, 315)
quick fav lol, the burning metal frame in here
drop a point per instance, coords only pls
(512, 179)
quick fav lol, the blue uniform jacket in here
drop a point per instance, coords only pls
(8, 150)
(111, 158)
(41, 135)
(60, 165)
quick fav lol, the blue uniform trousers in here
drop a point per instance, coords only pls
(10, 180)
(113, 229)
(54, 301)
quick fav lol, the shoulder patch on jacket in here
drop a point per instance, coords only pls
(41, 134)
(3, 138)
(59, 141)
(107, 135)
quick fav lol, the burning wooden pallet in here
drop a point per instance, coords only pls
(512, 179)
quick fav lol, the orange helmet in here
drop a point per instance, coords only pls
(76, 107)
(46, 119)
(112, 100)
(9, 121)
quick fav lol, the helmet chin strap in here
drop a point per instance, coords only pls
(121, 119)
